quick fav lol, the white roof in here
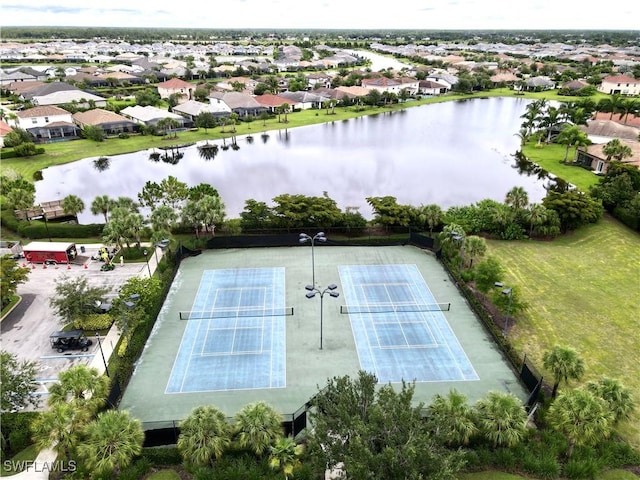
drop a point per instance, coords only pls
(148, 113)
(48, 247)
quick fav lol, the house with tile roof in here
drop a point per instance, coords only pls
(240, 103)
(150, 116)
(273, 102)
(305, 100)
(48, 124)
(5, 129)
(620, 84)
(77, 97)
(429, 87)
(109, 122)
(175, 86)
(192, 108)
(593, 156)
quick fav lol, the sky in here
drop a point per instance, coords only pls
(325, 14)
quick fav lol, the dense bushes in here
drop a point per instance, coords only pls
(36, 229)
(94, 322)
(15, 429)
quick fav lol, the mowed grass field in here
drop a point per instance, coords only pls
(583, 291)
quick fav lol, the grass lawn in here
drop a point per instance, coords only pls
(29, 453)
(493, 475)
(164, 475)
(583, 291)
(550, 157)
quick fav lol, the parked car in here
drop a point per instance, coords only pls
(69, 340)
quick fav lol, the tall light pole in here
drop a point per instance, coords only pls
(304, 238)
(133, 298)
(106, 368)
(509, 292)
(312, 290)
(459, 239)
(144, 252)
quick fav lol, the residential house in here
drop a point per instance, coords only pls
(319, 80)
(445, 79)
(274, 102)
(600, 130)
(5, 129)
(334, 93)
(539, 83)
(429, 87)
(355, 91)
(574, 86)
(192, 108)
(249, 84)
(175, 86)
(109, 122)
(504, 79)
(593, 156)
(20, 88)
(623, 119)
(150, 116)
(48, 124)
(305, 100)
(620, 84)
(240, 103)
(77, 97)
(15, 76)
(382, 84)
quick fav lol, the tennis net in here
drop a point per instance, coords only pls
(395, 308)
(236, 312)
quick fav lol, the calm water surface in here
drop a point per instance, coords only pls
(453, 153)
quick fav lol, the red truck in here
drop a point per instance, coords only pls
(50, 253)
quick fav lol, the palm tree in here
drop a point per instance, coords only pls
(502, 418)
(210, 211)
(102, 204)
(285, 109)
(581, 417)
(111, 441)
(204, 436)
(284, 455)
(618, 397)
(616, 149)
(257, 427)
(72, 205)
(80, 386)
(572, 136)
(564, 363)
(167, 125)
(431, 215)
(163, 218)
(452, 419)
(517, 197)
(474, 247)
(536, 215)
(58, 428)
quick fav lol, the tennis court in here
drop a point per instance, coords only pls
(399, 328)
(237, 327)
(235, 336)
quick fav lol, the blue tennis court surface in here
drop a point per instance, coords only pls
(394, 337)
(235, 333)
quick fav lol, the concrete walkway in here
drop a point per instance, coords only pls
(47, 461)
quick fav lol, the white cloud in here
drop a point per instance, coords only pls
(414, 14)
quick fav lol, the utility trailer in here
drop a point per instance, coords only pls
(50, 253)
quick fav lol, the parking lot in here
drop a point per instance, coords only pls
(25, 330)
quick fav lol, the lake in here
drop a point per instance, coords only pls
(451, 153)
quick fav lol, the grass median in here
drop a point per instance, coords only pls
(582, 291)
